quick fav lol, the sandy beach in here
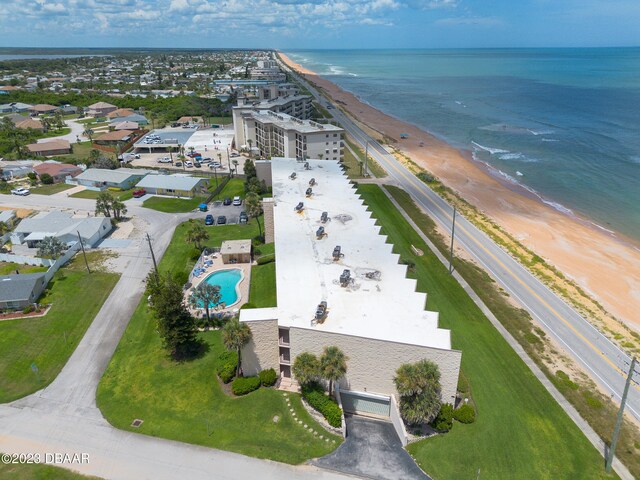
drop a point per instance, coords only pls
(605, 265)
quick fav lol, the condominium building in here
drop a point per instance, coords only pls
(282, 135)
(339, 283)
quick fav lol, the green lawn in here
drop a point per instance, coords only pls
(233, 188)
(38, 472)
(220, 120)
(93, 194)
(374, 167)
(80, 153)
(521, 432)
(184, 401)
(56, 133)
(173, 205)
(51, 189)
(262, 291)
(7, 268)
(49, 341)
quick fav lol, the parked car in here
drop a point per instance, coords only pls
(164, 160)
(177, 164)
(215, 165)
(226, 201)
(222, 220)
(208, 220)
(188, 164)
(244, 218)
(197, 164)
(203, 207)
(237, 201)
(234, 155)
(21, 191)
(141, 192)
(194, 154)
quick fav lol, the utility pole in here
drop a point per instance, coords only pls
(366, 158)
(84, 254)
(153, 257)
(616, 430)
(453, 231)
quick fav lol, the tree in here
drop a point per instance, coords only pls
(333, 365)
(253, 206)
(205, 295)
(104, 203)
(51, 247)
(250, 142)
(249, 169)
(105, 162)
(88, 132)
(46, 179)
(306, 368)
(197, 234)
(236, 335)
(419, 387)
(175, 325)
(118, 207)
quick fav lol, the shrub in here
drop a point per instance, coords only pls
(228, 363)
(114, 189)
(244, 385)
(465, 414)
(28, 309)
(266, 259)
(268, 377)
(444, 420)
(46, 179)
(314, 394)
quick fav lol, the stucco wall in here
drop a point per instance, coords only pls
(261, 352)
(267, 208)
(372, 363)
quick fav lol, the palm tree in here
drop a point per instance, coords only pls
(253, 205)
(250, 142)
(235, 166)
(170, 148)
(333, 365)
(419, 387)
(205, 295)
(306, 368)
(88, 132)
(236, 335)
(197, 234)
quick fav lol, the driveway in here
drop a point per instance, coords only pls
(372, 449)
(76, 132)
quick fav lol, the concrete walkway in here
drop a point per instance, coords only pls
(76, 132)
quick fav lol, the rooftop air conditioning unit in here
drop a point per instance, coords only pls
(324, 217)
(337, 253)
(312, 182)
(306, 166)
(299, 207)
(293, 176)
(321, 310)
(345, 277)
(309, 192)
(320, 233)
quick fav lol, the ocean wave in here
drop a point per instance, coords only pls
(550, 140)
(635, 159)
(492, 151)
(558, 206)
(541, 132)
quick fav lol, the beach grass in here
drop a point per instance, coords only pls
(596, 408)
(76, 297)
(184, 401)
(374, 167)
(520, 431)
(51, 189)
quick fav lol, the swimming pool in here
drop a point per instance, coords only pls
(228, 281)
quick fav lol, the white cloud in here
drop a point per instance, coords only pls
(178, 5)
(477, 21)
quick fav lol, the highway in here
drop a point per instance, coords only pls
(601, 358)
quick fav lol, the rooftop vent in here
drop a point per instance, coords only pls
(320, 233)
(321, 311)
(293, 176)
(299, 207)
(324, 217)
(306, 166)
(309, 192)
(337, 253)
(345, 277)
(312, 182)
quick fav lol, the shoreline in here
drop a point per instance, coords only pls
(603, 263)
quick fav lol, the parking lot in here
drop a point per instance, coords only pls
(217, 209)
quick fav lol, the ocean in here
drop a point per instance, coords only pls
(562, 123)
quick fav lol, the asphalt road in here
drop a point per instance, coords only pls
(601, 358)
(64, 418)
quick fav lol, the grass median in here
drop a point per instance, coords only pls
(51, 189)
(184, 401)
(520, 432)
(173, 205)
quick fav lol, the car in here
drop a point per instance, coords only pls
(197, 164)
(136, 156)
(234, 155)
(226, 201)
(164, 160)
(194, 154)
(141, 192)
(188, 164)
(177, 164)
(208, 220)
(215, 164)
(222, 220)
(20, 191)
(244, 218)
(203, 207)
(237, 201)
(206, 160)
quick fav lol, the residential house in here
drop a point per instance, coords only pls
(121, 112)
(125, 126)
(177, 185)
(62, 225)
(8, 217)
(42, 108)
(100, 178)
(59, 171)
(100, 109)
(20, 290)
(31, 123)
(113, 138)
(14, 107)
(139, 119)
(58, 146)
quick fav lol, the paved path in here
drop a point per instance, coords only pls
(601, 358)
(63, 417)
(372, 449)
(76, 132)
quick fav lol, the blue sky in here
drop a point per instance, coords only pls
(289, 24)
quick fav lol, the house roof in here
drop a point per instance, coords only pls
(173, 182)
(100, 175)
(30, 123)
(134, 117)
(235, 247)
(57, 224)
(43, 107)
(7, 215)
(14, 288)
(115, 136)
(57, 144)
(56, 169)
(121, 112)
(101, 105)
(127, 126)
(189, 119)
(8, 88)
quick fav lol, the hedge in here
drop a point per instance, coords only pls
(244, 385)
(227, 365)
(268, 377)
(314, 394)
(465, 414)
(444, 420)
(266, 259)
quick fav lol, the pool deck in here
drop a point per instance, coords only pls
(217, 265)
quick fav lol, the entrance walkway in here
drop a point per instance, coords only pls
(372, 449)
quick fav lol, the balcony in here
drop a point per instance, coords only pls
(285, 360)
(283, 342)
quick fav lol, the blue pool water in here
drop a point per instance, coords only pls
(227, 281)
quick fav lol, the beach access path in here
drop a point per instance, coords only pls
(601, 358)
(63, 417)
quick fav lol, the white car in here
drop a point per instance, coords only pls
(164, 160)
(237, 201)
(215, 165)
(188, 164)
(21, 191)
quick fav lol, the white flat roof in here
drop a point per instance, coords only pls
(387, 308)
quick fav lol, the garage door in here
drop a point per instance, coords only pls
(363, 403)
